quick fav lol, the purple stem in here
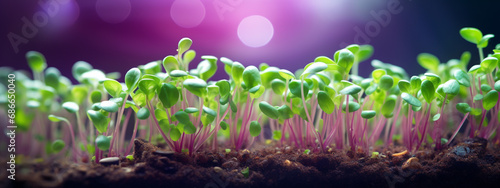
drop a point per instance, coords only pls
(458, 129)
(132, 138)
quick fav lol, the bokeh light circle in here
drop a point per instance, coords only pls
(255, 31)
(113, 11)
(187, 13)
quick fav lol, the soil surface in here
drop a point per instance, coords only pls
(470, 163)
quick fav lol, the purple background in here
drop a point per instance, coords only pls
(303, 30)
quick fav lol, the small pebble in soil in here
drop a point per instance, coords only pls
(411, 163)
(110, 161)
(461, 151)
(164, 153)
(400, 153)
(232, 163)
(288, 163)
(217, 169)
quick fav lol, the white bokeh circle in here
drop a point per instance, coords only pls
(187, 13)
(255, 31)
(113, 11)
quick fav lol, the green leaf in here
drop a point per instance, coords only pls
(377, 74)
(436, 117)
(490, 100)
(350, 90)
(484, 41)
(233, 106)
(324, 59)
(224, 87)
(294, 87)
(353, 106)
(268, 110)
(435, 79)
(143, 113)
(237, 72)
(463, 108)
(132, 79)
(415, 83)
(113, 87)
(148, 86)
(451, 87)
(485, 87)
(285, 112)
(278, 86)
(388, 106)
(364, 52)
(428, 61)
(268, 75)
(79, 93)
(52, 76)
(168, 95)
(462, 78)
(245, 172)
(464, 59)
(497, 85)
(182, 117)
(411, 99)
(96, 96)
(93, 77)
(54, 118)
(109, 106)
(224, 125)
(103, 142)
(196, 86)
(58, 145)
(428, 90)
(489, 64)
(189, 56)
(287, 75)
(255, 128)
(175, 134)
(191, 110)
(178, 73)
(79, 68)
(277, 135)
(251, 77)
(207, 67)
(189, 128)
(345, 59)
(100, 120)
(386, 82)
(404, 86)
(325, 102)
(71, 107)
(478, 97)
(170, 63)
(213, 91)
(353, 48)
(368, 114)
(474, 69)
(209, 111)
(472, 35)
(184, 45)
(313, 68)
(36, 61)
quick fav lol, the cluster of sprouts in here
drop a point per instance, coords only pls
(315, 109)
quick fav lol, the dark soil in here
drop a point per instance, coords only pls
(470, 163)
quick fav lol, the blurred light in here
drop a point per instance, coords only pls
(255, 31)
(113, 11)
(187, 13)
(67, 13)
